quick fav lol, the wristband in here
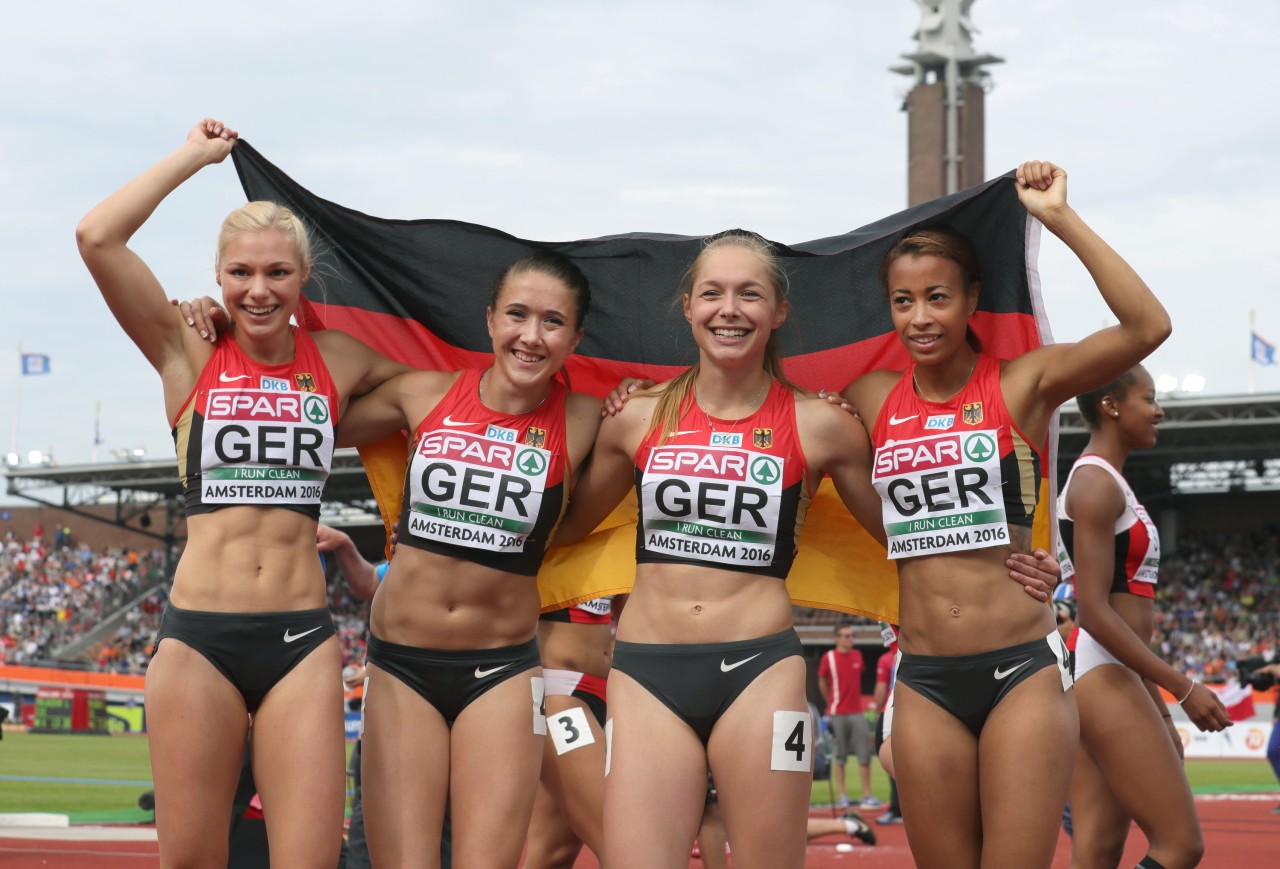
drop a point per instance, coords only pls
(1194, 683)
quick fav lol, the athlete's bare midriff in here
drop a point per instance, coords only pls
(679, 603)
(963, 603)
(249, 559)
(438, 601)
(1138, 613)
(581, 648)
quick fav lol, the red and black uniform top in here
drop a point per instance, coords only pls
(257, 435)
(953, 475)
(728, 495)
(486, 486)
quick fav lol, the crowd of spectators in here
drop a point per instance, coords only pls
(53, 591)
(1218, 601)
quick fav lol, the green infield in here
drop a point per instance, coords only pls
(1206, 777)
(99, 778)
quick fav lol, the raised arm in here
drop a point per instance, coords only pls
(1094, 503)
(1058, 372)
(131, 291)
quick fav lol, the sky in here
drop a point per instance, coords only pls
(568, 119)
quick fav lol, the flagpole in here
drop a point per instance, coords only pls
(17, 401)
(1253, 365)
(97, 419)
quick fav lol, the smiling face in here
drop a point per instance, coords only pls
(533, 324)
(262, 277)
(733, 306)
(930, 305)
(1136, 413)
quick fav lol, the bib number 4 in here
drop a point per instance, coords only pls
(792, 742)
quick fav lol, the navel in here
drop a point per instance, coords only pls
(696, 609)
(955, 612)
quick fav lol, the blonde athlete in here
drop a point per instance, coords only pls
(981, 699)
(453, 708)
(246, 632)
(707, 669)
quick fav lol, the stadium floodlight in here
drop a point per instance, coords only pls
(1193, 383)
(1167, 383)
(35, 457)
(12, 460)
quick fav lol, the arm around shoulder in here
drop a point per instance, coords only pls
(608, 474)
(837, 445)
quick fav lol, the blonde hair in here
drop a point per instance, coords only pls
(676, 394)
(262, 215)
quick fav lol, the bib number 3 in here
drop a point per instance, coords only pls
(792, 742)
(570, 729)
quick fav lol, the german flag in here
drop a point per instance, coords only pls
(417, 290)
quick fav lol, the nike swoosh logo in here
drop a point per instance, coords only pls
(480, 674)
(448, 420)
(893, 420)
(725, 668)
(1000, 674)
(290, 637)
(676, 434)
(226, 378)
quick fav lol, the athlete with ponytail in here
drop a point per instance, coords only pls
(707, 669)
(453, 707)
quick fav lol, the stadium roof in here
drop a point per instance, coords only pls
(1214, 444)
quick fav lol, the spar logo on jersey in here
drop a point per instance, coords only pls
(712, 504)
(940, 422)
(941, 493)
(263, 446)
(481, 492)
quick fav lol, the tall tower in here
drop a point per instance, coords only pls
(945, 106)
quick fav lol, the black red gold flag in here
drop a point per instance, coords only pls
(417, 291)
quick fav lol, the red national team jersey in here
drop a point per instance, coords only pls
(253, 434)
(486, 486)
(953, 475)
(729, 495)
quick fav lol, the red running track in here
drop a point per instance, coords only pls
(1239, 830)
